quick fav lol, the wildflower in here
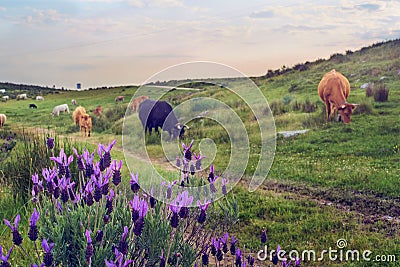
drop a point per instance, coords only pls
(89, 247)
(198, 159)
(203, 207)
(214, 246)
(192, 169)
(264, 236)
(89, 194)
(109, 202)
(135, 206)
(275, 258)
(178, 162)
(250, 260)
(48, 256)
(204, 257)
(169, 188)
(139, 223)
(79, 160)
(63, 163)
(49, 142)
(134, 182)
(211, 174)
(152, 200)
(99, 236)
(162, 259)
(174, 218)
(123, 244)
(106, 158)
(224, 241)
(37, 185)
(184, 202)
(116, 172)
(233, 242)
(224, 182)
(5, 258)
(106, 218)
(285, 263)
(118, 263)
(186, 150)
(238, 257)
(17, 238)
(33, 231)
(88, 163)
(297, 262)
(49, 175)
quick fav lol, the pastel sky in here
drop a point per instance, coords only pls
(122, 42)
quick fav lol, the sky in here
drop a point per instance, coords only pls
(125, 42)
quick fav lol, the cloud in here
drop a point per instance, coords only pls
(135, 3)
(368, 7)
(264, 14)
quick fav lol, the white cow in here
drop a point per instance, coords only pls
(73, 102)
(22, 97)
(60, 108)
(39, 98)
(3, 91)
(5, 98)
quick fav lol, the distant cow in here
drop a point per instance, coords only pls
(5, 98)
(32, 106)
(137, 101)
(60, 108)
(2, 91)
(3, 119)
(22, 97)
(154, 114)
(73, 102)
(39, 98)
(77, 114)
(334, 89)
(119, 98)
(98, 111)
(85, 124)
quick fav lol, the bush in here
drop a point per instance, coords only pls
(381, 94)
(369, 90)
(277, 107)
(364, 108)
(309, 107)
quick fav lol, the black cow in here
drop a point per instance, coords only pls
(32, 106)
(154, 114)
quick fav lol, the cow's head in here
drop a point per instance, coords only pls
(345, 112)
(178, 131)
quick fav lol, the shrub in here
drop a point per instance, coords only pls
(308, 107)
(381, 94)
(364, 108)
(369, 90)
(277, 107)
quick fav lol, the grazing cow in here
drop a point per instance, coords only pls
(76, 115)
(137, 101)
(39, 98)
(119, 98)
(3, 91)
(73, 102)
(32, 106)
(5, 98)
(22, 97)
(154, 114)
(85, 123)
(98, 111)
(334, 89)
(3, 119)
(60, 108)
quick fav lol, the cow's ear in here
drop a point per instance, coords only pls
(342, 106)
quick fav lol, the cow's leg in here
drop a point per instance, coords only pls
(328, 110)
(89, 132)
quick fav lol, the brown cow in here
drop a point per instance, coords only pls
(136, 102)
(98, 111)
(86, 124)
(76, 115)
(334, 89)
(119, 98)
(3, 119)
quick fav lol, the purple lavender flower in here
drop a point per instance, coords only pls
(49, 175)
(89, 194)
(264, 236)
(233, 242)
(79, 160)
(123, 244)
(63, 163)
(37, 185)
(88, 163)
(99, 236)
(89, 247)
(204, 257)
(214, 246)
(224, 241)
(297, 262)
(109, 202)
(275, 258)
(238, 257)
(211, 174)
(224, 183)
(118, 262)
(203, 207)
(17, 238)
(184, 202)
(139, 223)
(106, 158)
(169, 186)
(198, 159)
(116, 172)
(192, 169)
(49, 142)
(5, 258)
(285, 263)
(48, 256)
(162, 259)
(33, 232)
(174, 218)
(134, 182)
(178, 162)
(250, 260)
(187, 153)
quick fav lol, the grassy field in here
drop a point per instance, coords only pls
(335, 181)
